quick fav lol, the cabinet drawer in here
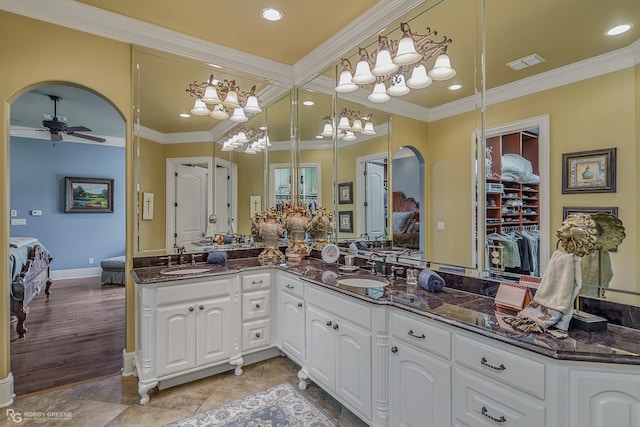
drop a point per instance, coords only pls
(479, 403)
(341, 305)
(517, 371)
(256, 334)
(256, 281)
(292, 286)
(171, 294)
(419, 333)
(256, 304)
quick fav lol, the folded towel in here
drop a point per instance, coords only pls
(217, 257)
(362, 245)
(430, 280)
(18, 242)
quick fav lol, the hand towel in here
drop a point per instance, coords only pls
(362, 245)
(217, 257)
(430, 280)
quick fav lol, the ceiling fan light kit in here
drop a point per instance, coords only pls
(399, 64)
(57, 126)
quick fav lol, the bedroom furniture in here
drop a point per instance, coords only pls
(113, 271)
(29, 264)
(405, 221)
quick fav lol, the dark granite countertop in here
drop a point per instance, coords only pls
(459, 308)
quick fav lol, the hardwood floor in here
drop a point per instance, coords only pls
(76, 334)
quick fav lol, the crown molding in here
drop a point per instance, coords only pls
(92, 20)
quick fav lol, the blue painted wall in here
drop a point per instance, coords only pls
(38, 168)
(406, 177)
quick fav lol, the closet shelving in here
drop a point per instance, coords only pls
(511, 205)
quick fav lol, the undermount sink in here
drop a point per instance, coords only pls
(179, 271)
(363, 282)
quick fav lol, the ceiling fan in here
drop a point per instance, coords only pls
(57, 125)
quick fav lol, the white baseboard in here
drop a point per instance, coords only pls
(75, 273)
(6, 391)
(128, 363)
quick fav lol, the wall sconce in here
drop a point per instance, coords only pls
(349, 124)
(250, 141)
(225, 97)
(399, 65)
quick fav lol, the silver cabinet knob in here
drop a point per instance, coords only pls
(191, 308)
(394, 349)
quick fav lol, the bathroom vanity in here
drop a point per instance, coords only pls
(393, 359)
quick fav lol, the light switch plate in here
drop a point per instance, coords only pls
(18, 221)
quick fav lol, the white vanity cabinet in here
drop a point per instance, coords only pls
(339, 342)
(291, 317)
(604, 398)
(256, 310)
(420, 372)
(185, 326)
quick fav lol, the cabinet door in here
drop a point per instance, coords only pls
(176, 338)
(292, 326)
(420, 388)
(214, 328)
(320, 346)
(600, 399)
(353, 366)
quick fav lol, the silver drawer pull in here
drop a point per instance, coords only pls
(485, 411)
(257, 334)
(259, 282)
(290, 287)
(412, 334)
(299, 304)
(258, 305)
(483, 362)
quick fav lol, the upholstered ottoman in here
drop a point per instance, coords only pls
(113, 271)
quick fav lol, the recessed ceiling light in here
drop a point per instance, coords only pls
(185, 115)
(319, 137)
(455, 87)
(214, 66)
(308, 103)
(619, 29)
(271, 14)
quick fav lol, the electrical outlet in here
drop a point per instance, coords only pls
(14, 212)
(90, 260)
(18, 221)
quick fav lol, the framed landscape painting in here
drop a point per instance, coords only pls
(88, 195)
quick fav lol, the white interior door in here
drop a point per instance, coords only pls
(191, 203)
(375, 209)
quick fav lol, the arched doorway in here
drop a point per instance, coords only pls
(60, 131)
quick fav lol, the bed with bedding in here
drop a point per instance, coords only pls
(29, 264)
(405, 221)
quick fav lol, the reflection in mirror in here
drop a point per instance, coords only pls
(590, 96)
(408, 202)
(180, 157)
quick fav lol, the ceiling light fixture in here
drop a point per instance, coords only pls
(349, 124)
(308, 103)
(619, 29)
(225, 97)
(249, 141)
(399, 63)
(185, 115)
(271, 14)
(455, 87)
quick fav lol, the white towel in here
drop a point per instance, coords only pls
(556, 287)
(18, 242)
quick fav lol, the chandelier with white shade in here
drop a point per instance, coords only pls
(225, 98)
(349, 124)
(400, 65)
(249, 141)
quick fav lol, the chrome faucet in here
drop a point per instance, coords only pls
(395, 268)
(194, 257)
(166, 258)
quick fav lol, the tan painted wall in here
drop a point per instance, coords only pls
(35, 53)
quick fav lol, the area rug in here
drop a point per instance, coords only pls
(282, 405)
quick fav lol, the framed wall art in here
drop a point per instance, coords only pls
(88, 195)
(591, 171)
(345, 193)
(345, 221)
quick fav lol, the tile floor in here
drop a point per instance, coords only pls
(113, 401)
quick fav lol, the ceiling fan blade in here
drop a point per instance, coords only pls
(89, 137)
(56, 137)
(78, 129)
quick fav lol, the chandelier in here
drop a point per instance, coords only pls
(399, 65)
(225, 97)
(349, 124)
(250, 141)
